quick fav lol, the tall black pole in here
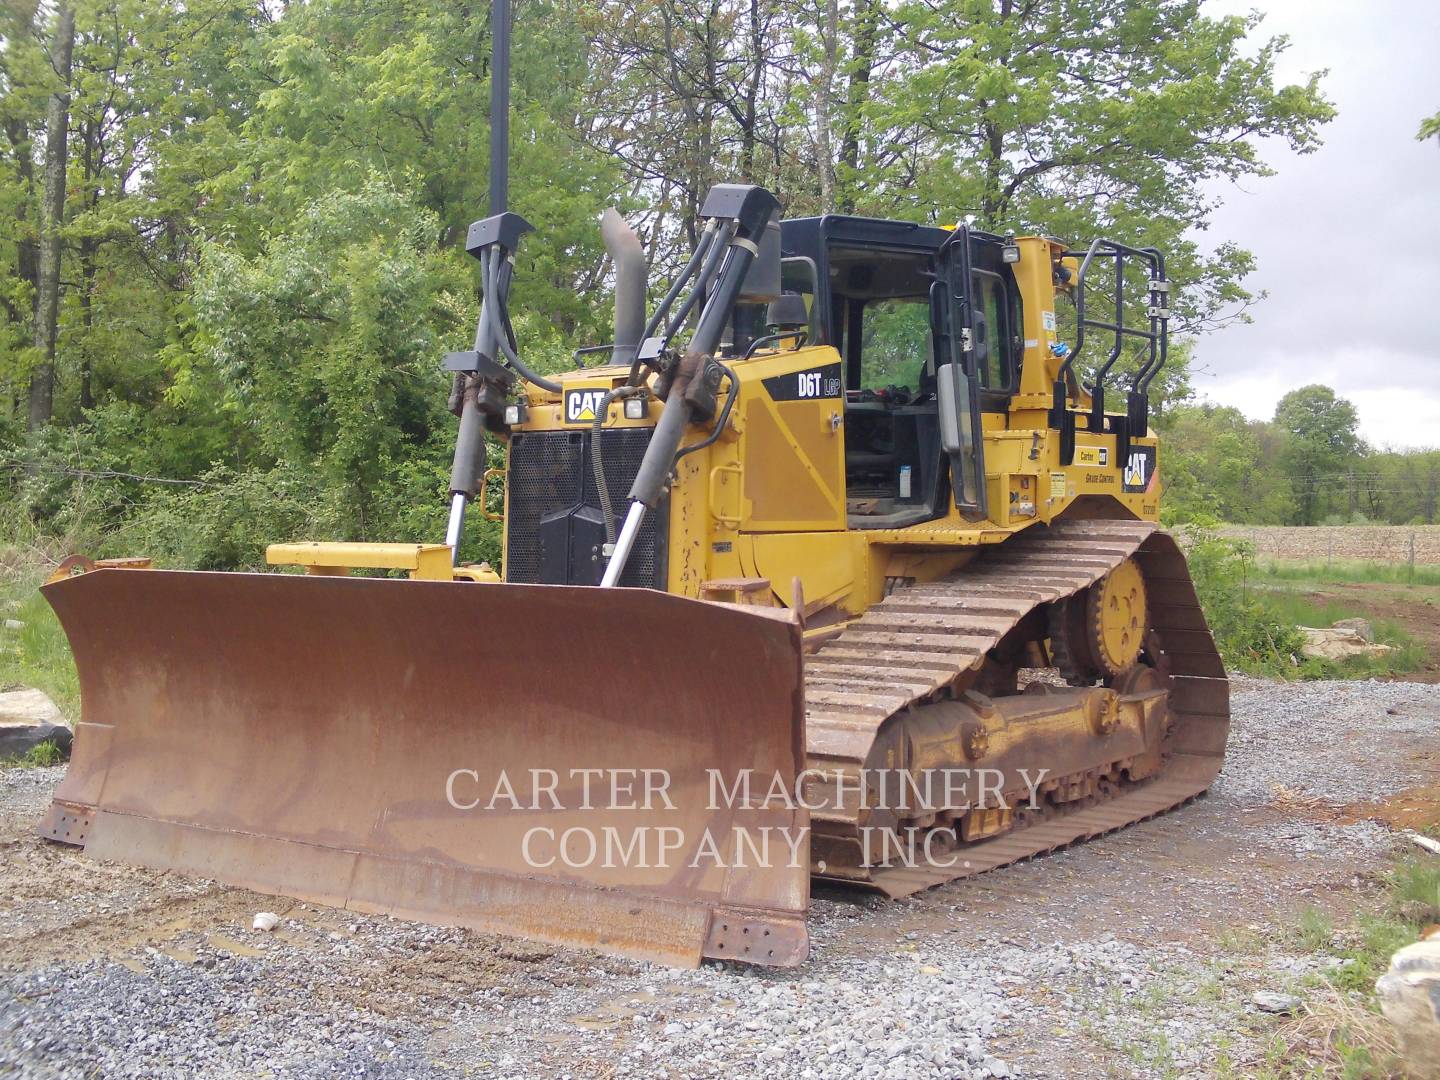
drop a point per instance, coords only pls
(499, 106)
(470, 453)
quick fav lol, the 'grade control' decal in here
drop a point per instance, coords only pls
(821, 382)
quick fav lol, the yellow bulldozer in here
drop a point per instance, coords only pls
(830, 566)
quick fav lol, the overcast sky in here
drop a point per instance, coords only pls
(1347, 238)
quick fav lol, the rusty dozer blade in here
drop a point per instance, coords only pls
(534, 760)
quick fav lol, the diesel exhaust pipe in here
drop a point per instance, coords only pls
(629, 257)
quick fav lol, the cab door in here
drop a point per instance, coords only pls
(962, 344)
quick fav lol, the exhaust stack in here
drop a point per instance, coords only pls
(624, 247)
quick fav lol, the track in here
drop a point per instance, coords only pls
(926, 645)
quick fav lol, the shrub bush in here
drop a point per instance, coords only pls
(1250, 632)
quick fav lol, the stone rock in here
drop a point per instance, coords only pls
(27, 707)
(1271, 1002)
(28, 718)
(1338, 643)
(1360, 626)
(1410, 999)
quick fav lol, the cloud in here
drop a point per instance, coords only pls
(1347, 238)
(1392, 414)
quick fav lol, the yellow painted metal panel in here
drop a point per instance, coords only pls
(428, 561)
(824, 563)
(793, 450)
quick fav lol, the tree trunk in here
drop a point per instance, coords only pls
(824, 143)
(52, 213)
(750, 113)
(88, 249)
(91, 153)
(17, 133)
(867, 28)
(26, 256)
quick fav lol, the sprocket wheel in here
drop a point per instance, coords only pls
(1115, 618)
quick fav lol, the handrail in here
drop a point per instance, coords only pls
(1156, 339)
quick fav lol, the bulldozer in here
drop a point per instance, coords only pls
(830, 567)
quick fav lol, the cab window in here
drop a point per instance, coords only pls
(1001, 321)
(895, 343)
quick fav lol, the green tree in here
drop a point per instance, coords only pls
(22, 112)
(1214, 465)
(235, 169)
(1086, 117)
(1320, 429)
(1429, 127)
(326, 341)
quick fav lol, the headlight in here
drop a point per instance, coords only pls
(636, 408)
(515, 414)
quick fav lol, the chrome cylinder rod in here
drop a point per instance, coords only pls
(456, 524)
(628, 532)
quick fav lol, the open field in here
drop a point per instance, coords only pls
(1134, 956)
(1388, 544)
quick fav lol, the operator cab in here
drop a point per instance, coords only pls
(872, 290)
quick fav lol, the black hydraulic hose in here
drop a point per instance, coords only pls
(775, 339)
(712, 246)
(719, 420)
(602, 486)
(719, 249)
(701, 247)
(501, 331)
(659, 456)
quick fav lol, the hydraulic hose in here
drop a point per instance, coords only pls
(719, 248)
(720, 420)
(501, 331)
(701, 247)
(602, 486)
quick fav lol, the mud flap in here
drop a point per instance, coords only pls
(564, 764)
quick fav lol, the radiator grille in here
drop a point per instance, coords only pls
(551, 472)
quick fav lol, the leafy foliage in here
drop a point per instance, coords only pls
(323, 343)
(261, 248)
(1250, 633)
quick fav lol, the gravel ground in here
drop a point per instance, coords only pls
(1134, 955)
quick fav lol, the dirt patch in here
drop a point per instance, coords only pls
(1416, 809)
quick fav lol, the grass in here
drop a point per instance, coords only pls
(1315, 929)
(41, 756)
(1341, 1032)
(1297, 609)
(1338, 573)
(37, 654)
